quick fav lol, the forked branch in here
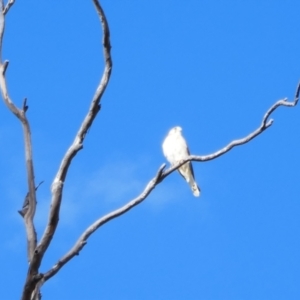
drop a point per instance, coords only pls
(160, 176)
(8, 6)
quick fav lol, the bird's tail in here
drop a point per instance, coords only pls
(195, 189)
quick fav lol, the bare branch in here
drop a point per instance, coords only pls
(77, 144)
(20, 114)
(32, 287)
(58, 182)
(264, 125)
(160, 176)
(36, 295)
(9, 4)
(92, 228)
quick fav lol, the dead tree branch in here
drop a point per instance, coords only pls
(8, 6)
(21, 115)
(264, 125)
(77, 145)
(92, 228)
(160, 176)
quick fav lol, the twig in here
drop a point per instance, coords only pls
(77, 145)
(160, 176)
(8, 6)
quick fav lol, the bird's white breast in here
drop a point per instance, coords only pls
(175, 148)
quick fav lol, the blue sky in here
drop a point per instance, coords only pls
(212, 67)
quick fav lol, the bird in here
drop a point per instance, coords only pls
(175, 149)
(25, 206)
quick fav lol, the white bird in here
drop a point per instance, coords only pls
(175, 149)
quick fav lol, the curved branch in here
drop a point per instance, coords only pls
(160, 176)
(264, 125)
(81, 242)
(77, 145)
(21, 115)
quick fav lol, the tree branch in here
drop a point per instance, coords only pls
(264, 125)
(77, 145)
(160, 176)
(9, 4)
(92, 228)
(20, 114)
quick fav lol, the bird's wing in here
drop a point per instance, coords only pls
(190, 163)
(187, 165)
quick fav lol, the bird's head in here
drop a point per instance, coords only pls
(176, 129)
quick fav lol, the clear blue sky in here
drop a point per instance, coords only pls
(212, 67)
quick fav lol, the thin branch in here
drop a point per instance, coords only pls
(92, 228)
(77, 145)
(264, 125)
(160, 176)
(20, 114)
(9, 4)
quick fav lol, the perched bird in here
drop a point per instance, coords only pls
(175, 149)
(25, 206)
